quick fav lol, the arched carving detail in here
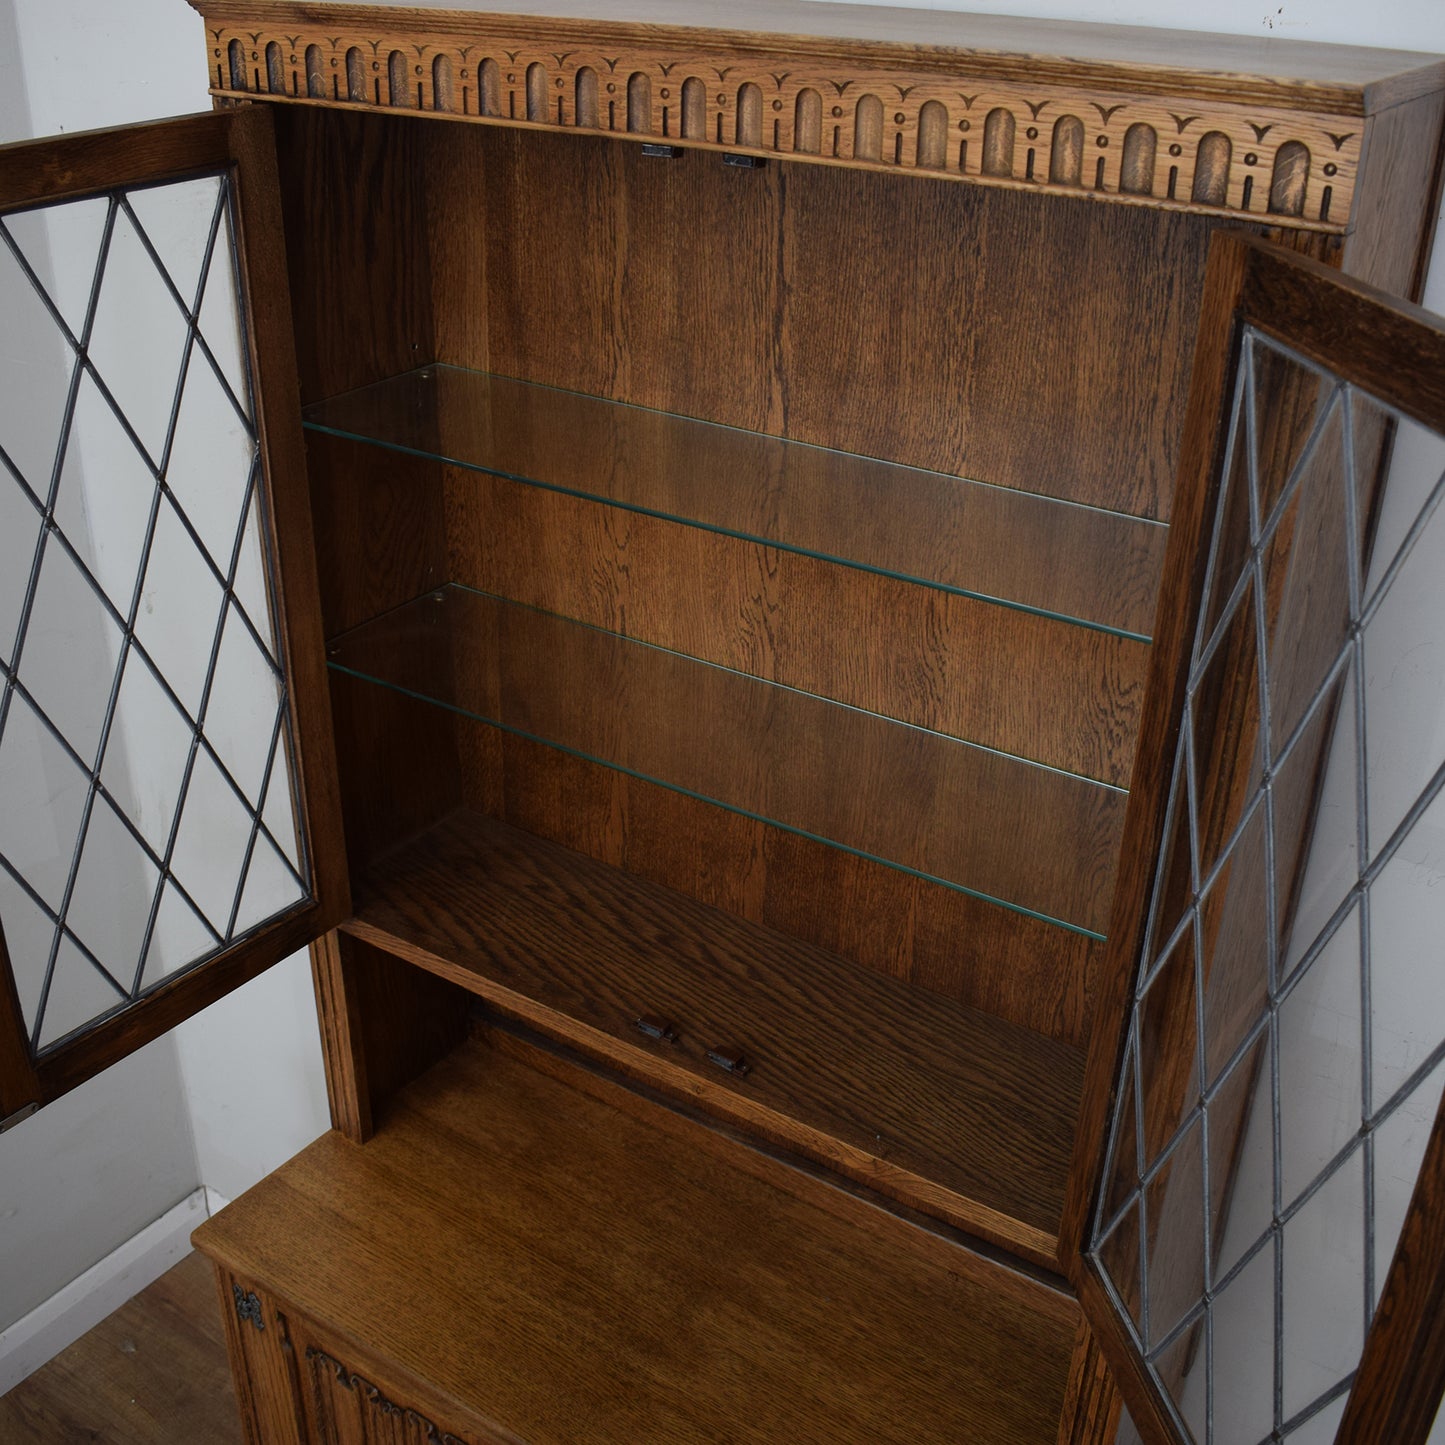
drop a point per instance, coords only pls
(750, 115)
(536, 91)
(639, 104)
(1066, 152)
(933, 136)
(489, 87)
(398, 84)
(442, 98)
(315, 75)
(868, 129)
(1054, 133)
(808, 122)
(694, 109)
(355, 75)
(1211, 170)
(1136, 174)
(586, 99)
(998, 143)
(1290, 179)
(236, 64)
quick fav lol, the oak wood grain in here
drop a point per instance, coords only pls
(673, 1292)
(264, 1367)
(382, 1024)
(47, 171)
(1390, 245)
(1009, 830)
(1034, 973)
(1032, 686)
(347, 248)
(348, 1089)
(935, 1104)
(1144, 827)
(618, 251)
(1260, 152)
(1092, 1406)
(1165, 60)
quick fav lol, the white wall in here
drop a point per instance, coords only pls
(1394, 24)
(88, 1173)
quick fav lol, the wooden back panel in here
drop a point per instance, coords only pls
(1028, 341)
(1025, 341)
(1003, 337)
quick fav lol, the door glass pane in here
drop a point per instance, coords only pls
(1315, 727)
(147, 810)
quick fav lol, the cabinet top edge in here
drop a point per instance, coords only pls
(1285, 73)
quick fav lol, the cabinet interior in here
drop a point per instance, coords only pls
(736, 670)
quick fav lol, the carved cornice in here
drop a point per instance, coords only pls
(1289, 167)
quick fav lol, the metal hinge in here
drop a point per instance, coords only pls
(248, 1307)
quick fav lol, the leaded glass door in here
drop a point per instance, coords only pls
(1275, 1124)
(168, 813)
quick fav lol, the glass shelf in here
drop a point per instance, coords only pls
(1031, 838)
(1079, 564)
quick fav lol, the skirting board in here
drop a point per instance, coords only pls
(61, 1320)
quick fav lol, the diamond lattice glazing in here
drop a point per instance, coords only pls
(1286, 1053)
(147, 812)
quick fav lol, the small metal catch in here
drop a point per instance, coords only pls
(729, 1058)
(248, 1307)
(746, 163)
(661, 152)
(656, 1028)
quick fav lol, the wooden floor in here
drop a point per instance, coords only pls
(153, 1373)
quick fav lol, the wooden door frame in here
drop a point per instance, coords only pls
(239, 141)
(1396, 351)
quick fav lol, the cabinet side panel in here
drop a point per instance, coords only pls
(458, 198)
(1399, 198)
(380, 537)
(382, 1024)
(354, 202)
(398, 763)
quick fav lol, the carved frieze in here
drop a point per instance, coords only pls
(1286, 166)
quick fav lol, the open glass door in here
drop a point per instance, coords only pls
(1275, 1120)
(169, 822)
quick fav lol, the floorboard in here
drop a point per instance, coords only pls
(152, 1373)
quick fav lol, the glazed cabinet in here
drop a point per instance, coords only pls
(713, 532)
